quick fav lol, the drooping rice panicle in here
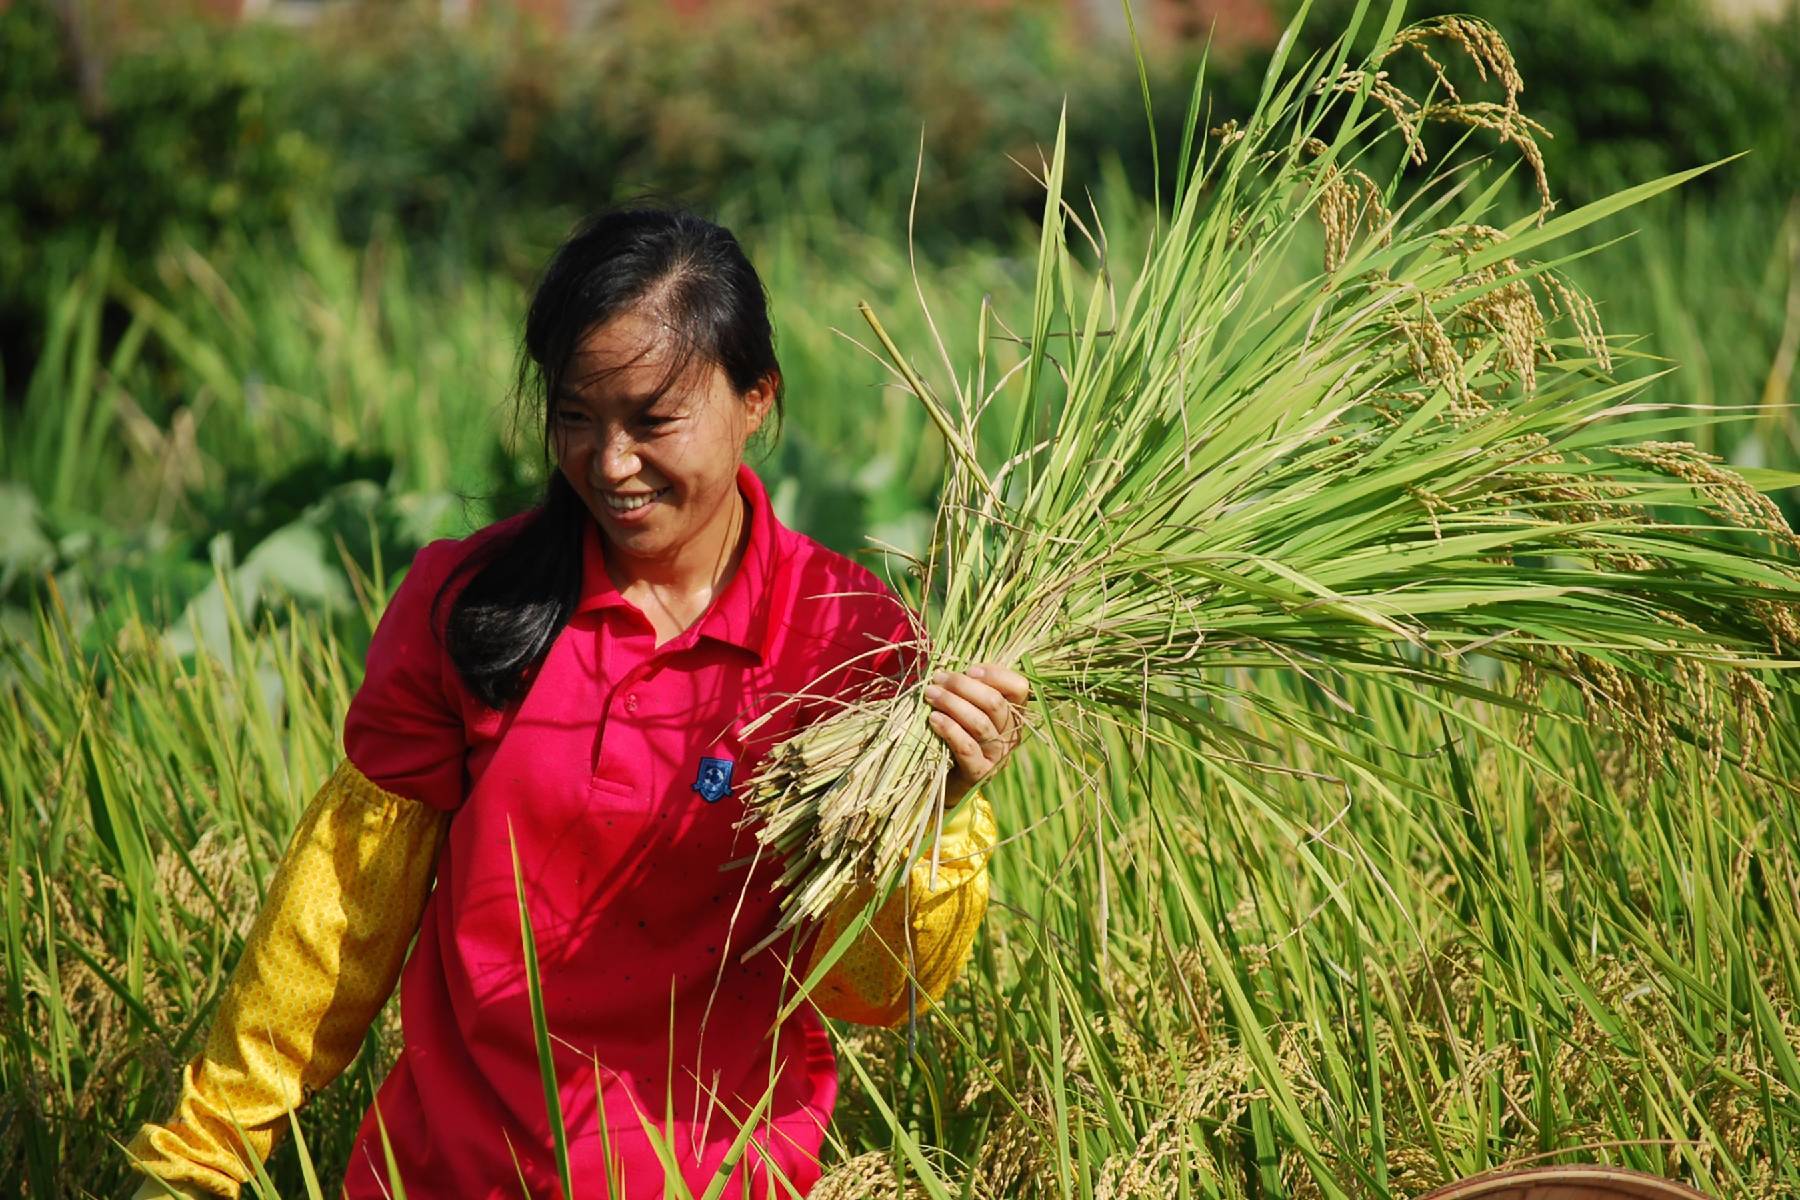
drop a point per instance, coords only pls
(1416, 458)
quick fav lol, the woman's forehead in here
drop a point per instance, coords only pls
(627, 342)
(632, 358)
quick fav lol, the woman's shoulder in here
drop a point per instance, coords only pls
(834, 598)
(435, 562)
(819, 568)
(408, 726)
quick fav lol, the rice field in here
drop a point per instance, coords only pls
(1476, 949)
(1432, 938)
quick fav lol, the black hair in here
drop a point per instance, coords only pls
(696, 279)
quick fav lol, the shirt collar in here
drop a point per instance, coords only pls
(739, 616)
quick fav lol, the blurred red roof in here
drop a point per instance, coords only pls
(1231, 23)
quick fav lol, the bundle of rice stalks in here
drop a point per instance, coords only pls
(1415, 466)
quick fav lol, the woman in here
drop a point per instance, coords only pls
(566, 694)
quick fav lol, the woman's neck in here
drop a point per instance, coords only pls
(675, 591)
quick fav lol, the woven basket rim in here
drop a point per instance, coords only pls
(1646, 1185)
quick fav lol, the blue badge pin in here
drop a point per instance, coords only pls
(714, 779)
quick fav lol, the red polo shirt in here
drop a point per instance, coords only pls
(606, 778)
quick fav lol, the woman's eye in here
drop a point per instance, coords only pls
(570, 416)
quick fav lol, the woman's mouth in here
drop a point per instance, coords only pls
(622, 503)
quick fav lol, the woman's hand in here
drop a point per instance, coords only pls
(976, 714)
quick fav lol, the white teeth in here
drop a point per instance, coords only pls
(628, 503)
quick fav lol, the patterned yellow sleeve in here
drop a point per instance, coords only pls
(868, 983)
(318, 965)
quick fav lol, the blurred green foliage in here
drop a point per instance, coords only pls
(1632, 89)
(487, 140)
(445, 128)
(490, 137)
(180, 133)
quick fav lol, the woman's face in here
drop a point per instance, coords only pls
(657, 469)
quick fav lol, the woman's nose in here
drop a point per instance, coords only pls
(617, 459)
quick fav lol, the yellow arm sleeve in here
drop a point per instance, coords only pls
(932, 928)
(318, 965)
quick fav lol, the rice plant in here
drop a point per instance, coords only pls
(1406, 467)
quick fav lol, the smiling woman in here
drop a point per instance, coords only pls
(553, 734)
(649, 346)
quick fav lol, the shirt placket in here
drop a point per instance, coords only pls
(623, 753)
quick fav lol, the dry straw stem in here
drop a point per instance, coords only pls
(1415, 458)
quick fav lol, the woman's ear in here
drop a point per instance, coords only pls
(760, 400)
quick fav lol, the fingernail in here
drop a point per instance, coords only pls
(932, 693)
(977, 673)
(940, 677)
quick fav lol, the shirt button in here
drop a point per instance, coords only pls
(631, 702)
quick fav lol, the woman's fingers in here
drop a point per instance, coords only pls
(977, 716)
(977, 709)
(997, 691)
(970, 761)
(1005, 680)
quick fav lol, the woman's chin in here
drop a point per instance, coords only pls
(642, 534)
(635, 534)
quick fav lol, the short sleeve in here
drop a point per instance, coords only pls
(922, 934)
(405, 729)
